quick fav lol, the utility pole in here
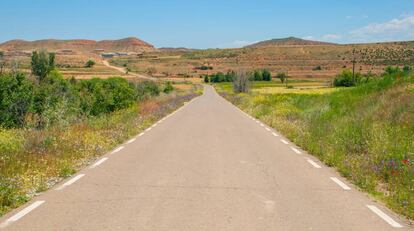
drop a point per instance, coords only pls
(353, 65)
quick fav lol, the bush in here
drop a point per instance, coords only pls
(90, 63)
(266, 75)
(168, 87)
(347, 79)
(206, 79)
(257, 75)
(317, 68)
(16, 98)
(42, 64)
(282, 77)
(146, 89)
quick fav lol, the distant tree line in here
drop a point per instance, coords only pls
(347, 78)
(257, 75)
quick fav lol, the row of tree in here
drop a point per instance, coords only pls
(257, 75)
(348, 78)
(49, 99)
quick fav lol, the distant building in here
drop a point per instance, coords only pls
(121, 53)
(108, 55)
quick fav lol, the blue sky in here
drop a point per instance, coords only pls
(208, 24)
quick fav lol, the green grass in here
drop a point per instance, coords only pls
(32, 161)
(366, 132)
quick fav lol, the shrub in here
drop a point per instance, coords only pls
(282, 77)
(317, 68)
(257, 75)
(347, 79)
(16, 97)
(90, 63)
(146, 89)
(42, 64)
(390, 70)
(168, 87)
(266, 75)
(206, 79)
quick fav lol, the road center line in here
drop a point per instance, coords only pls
(118, 149)
(314, 164)
(141, 134)
(284, 141)
(97, 163)
(296, 150)
(340, 183)
(261, 124)
(71, 181)
(274, 133)
(148, 129)
(22, 213)
(384, 216)
(268, 129)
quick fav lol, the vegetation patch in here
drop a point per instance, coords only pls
(366, 132)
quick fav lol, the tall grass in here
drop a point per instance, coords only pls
(366, 132)
(33, 160)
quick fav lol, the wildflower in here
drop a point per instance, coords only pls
(406, 161)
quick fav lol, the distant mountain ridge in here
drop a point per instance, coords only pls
(289, 41)
(130, 44)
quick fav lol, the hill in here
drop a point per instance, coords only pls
(290, 41)
(131, 44)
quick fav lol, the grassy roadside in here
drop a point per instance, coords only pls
(365, 132)
(33, 160)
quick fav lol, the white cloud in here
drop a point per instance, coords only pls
(397, 28)
(331, 37)
(309, 37)
(235, 44)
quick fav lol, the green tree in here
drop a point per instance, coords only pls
(16, 97)
(2, 62)
(168, 87)
(42, 64)
(90, 63)
(206, 79)
(257, 75)
(282, 76)
(266, 75)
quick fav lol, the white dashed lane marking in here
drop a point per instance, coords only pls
(340, 183)
(274, 133)
(22, 213)
(284, 141)
(131, 141)
(384, 216)
(314, 164)
(71, 181)
(99, 162)
(118, 149)
(296, 150)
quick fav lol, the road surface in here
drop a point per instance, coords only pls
(122, 70)
(206, 167)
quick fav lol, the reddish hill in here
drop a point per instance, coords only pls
(290, 41)
(80, 45)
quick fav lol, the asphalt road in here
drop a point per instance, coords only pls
(208, 166)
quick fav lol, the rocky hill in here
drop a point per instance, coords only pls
(290, 41)
(80, 45)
